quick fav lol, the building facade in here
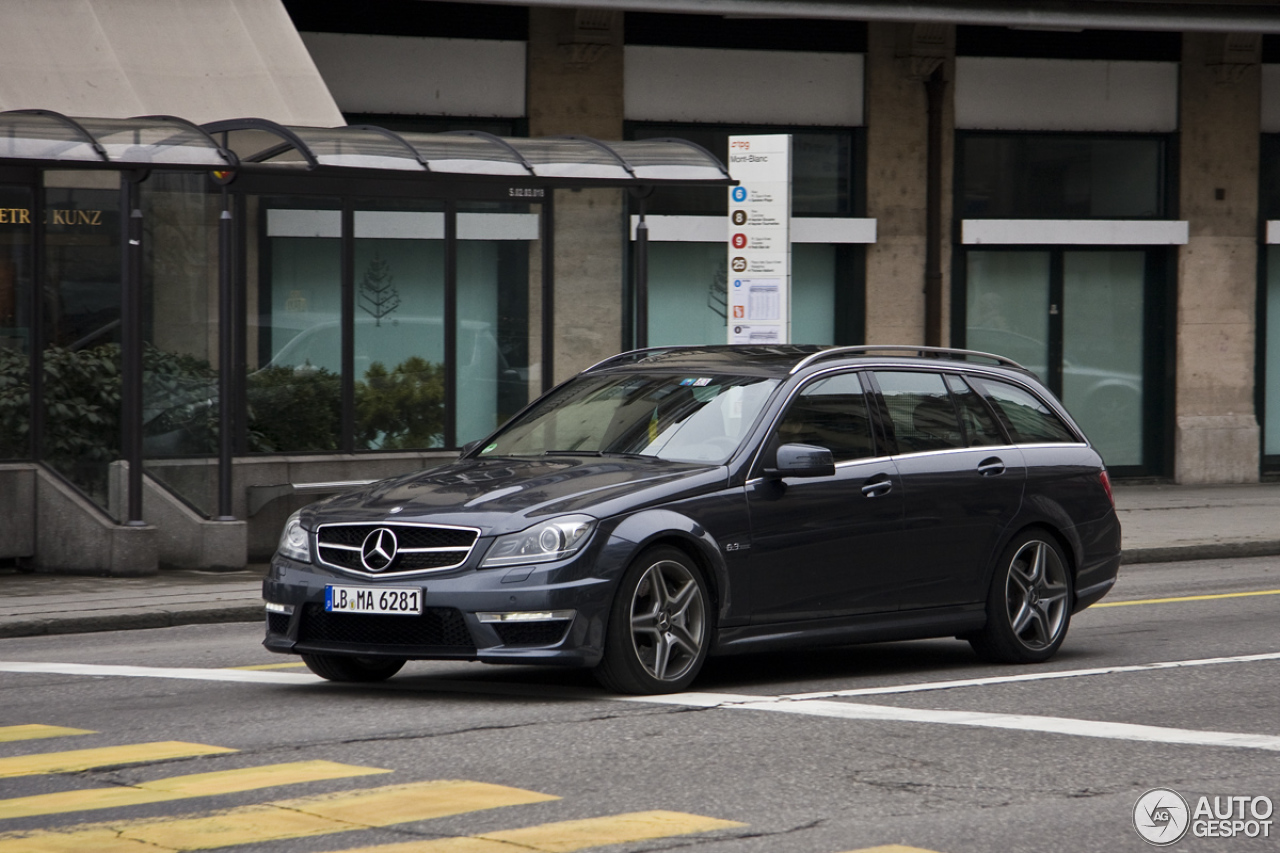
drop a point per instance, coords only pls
(1092, 191)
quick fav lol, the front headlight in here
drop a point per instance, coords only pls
(295, 541)
(542, 543)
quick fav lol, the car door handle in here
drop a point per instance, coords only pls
(877, 486)
(991, 466)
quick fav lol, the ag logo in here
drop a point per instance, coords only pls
(378, 550)
(1161, 817)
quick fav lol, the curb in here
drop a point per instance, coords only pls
(129, 620)
(1203, 551)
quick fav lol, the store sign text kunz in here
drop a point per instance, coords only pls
(69, 216)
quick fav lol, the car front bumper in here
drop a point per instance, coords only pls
(557, 622)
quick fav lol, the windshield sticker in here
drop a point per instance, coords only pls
(490, 448)
(696, 382)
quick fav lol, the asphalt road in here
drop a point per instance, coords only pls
(872, 746)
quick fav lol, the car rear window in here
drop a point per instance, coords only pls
(1028, 419)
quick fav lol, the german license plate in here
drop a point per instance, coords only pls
(392, 600)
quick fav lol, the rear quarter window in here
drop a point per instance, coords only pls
(1028, 419)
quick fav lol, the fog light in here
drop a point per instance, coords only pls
(286, 609)
(526, 616)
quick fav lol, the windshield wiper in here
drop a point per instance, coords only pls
(595, 453)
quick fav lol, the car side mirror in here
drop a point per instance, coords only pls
(802, 460)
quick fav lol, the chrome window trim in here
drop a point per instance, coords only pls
(392, 525)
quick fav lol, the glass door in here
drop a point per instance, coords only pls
(1078, 318)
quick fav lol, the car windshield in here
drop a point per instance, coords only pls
(688, 418)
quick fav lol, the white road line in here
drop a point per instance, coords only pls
(190, 674)
(982, 719)
(811, 704)
(1031, 676)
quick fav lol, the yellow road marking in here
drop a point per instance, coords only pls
(890, 848)
(35, 732)
(1188, 598)
(107, 756)
(299, 818)
(181, 787)
(567, 836)
(270, 666)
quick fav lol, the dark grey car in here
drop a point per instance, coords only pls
(673, 503)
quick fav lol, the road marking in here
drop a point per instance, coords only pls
(298, 818)
(181, 787)
(890, 848)
(1186, 598)
(264, 666)
(569, 835)
(981, 719)
(107, 756)
(189, 673)
(8, 734)
(1029, 676)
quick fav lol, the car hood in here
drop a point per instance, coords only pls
(505, 494)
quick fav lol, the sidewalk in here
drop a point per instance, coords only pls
(1161, 523)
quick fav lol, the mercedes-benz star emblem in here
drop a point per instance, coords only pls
(378, 550)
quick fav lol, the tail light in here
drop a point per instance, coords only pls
(1106, 487)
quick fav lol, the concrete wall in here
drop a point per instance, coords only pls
(897, 148)
(75, 537)
(1216, 439)
(575, 86)
(17, 510)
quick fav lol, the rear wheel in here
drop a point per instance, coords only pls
(1029, 603)
(352, 668)
(658, 627)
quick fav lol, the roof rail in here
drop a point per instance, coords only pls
(637, 355)
(902, 349)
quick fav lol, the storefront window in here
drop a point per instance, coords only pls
(82, 330)
(1060, 176)
(15, 322)
(1271, 437)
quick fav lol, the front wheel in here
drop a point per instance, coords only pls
(1029, 604)
(658, 626)
(352, 668)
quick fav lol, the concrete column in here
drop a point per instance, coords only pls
(899, 58)
(1217, 435)
(575, 86)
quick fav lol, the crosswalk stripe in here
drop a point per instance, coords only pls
(298, 818)
(35, 732)
(181, 787)
(567, 836)
(107, 756)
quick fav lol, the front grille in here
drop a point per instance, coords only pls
(418, 546)
(437, 626)
(277, 623)
(531, 633)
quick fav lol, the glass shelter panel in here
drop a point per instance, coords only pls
(82, 331)
(293, 391)
(496, 284)
(1271, 367)
(180, 351)
(399, 353)
(15, 322)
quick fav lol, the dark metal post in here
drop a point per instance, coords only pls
(548, 292)
(934, 88)
(451, 324)
(346, 441)
(642, 281)
(131, 345)
(226, 358)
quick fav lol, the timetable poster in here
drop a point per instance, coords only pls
(759, 283)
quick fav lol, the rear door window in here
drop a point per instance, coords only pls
(1028, 418)
(920, 408)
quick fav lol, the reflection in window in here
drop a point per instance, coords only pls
(830, 413)
(1028, 419)
(15, 322)
(921, 410)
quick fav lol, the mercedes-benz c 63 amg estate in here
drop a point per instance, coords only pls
(670, 504)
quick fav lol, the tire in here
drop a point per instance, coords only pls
(659, 625)
(1029, 603)
(352, 668)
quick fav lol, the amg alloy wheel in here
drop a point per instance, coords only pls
(658, 627)
(1029, 604)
